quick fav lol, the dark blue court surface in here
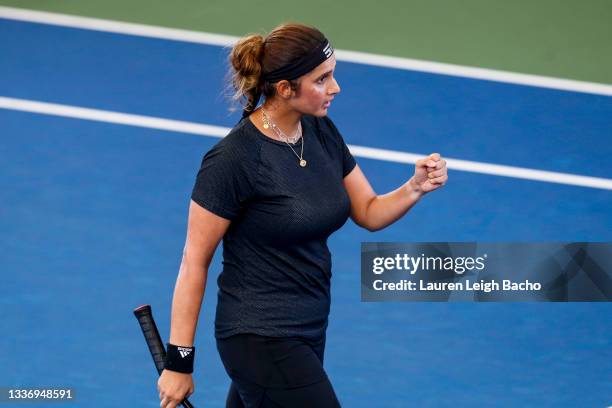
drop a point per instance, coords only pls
(93, 219)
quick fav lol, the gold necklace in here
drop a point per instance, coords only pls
(268, 123)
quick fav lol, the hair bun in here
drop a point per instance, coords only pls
(246, 55)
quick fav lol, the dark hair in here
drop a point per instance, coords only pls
(254, 55)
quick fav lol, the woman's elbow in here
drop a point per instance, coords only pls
(193, 268)
(373, 228)
(366, 225)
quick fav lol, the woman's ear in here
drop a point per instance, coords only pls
(283, 89)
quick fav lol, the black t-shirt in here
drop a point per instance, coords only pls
(276, 264)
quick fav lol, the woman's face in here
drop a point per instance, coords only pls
(317, 89)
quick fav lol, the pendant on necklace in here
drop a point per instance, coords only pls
(266, 126)
(303, 163)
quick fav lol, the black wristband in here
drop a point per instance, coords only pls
(179, 359)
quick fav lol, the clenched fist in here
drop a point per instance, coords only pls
(429, 173)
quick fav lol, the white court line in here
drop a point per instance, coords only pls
(342, 55)
(359, 151)
(97, 115)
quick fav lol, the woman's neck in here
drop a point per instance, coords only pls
(286, 119)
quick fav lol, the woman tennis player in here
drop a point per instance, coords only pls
(274, 189)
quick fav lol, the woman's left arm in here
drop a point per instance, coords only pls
(375, 212)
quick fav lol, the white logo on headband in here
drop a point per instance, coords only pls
(328, 50)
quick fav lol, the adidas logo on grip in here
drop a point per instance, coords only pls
(184, 351)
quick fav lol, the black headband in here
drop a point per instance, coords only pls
(302, 66)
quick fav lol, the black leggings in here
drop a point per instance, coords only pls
(270, 372)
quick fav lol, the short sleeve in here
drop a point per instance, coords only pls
(348, 161)
(223, 184)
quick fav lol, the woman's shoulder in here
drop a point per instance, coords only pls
(322, 124)
(325, 129)
(240, 143)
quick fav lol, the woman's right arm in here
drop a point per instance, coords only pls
(204, 232)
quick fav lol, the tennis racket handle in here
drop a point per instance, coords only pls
(151, 334)
(156, 347)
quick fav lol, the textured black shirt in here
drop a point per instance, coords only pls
(276, 264)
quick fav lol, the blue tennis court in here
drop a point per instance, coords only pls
(94, 217)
